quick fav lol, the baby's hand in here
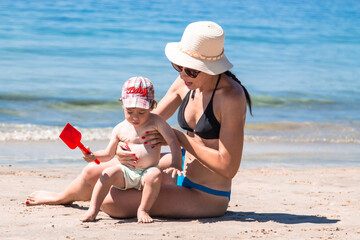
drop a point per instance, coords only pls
(88, 157)
(173, 171)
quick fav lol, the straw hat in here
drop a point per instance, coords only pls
(201, 48)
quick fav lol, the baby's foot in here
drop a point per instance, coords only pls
(89, 216)
(42, 197)
(143, 217)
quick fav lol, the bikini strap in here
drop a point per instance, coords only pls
(217, 83)
(192, 94)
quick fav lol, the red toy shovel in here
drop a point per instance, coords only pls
(72, 137)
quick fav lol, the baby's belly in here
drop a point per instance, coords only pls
(148, 156)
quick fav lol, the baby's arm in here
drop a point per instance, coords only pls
(109, 152)
(169, 136)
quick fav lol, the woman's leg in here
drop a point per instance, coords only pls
(110, 176)
(151, 183)
(173, 201)
(79, 190)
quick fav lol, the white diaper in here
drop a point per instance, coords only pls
(132, 177)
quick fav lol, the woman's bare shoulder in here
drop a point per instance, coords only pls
(231, 94)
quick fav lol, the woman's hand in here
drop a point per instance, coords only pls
(125, 156)
(154, 138)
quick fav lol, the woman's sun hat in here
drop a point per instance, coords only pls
(138, 92)
(201, 48)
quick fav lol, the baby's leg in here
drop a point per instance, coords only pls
(151, 183)
(110, 176)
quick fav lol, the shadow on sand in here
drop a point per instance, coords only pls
(284, 218)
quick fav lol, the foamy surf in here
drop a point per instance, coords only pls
(32, 132)
(290, 132)
(308, 132)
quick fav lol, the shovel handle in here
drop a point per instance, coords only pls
(81, 146)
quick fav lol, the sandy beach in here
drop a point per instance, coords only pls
(65, 61)
(272, 202)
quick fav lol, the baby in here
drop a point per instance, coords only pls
(137, 100)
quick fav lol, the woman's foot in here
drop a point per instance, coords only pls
(143, 217)
(43, 197)
(89, 216)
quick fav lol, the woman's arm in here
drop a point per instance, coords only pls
(226, 160)
(171, 101)
(166, 108)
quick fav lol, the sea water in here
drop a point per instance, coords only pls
(65, 61)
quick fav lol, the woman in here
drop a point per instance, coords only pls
(212, 108)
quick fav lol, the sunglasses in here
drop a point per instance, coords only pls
(190, 72)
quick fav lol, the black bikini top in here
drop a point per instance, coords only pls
(208, 127)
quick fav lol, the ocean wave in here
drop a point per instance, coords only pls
(32, 132)
(307, 132)
(291, 132)
(302, 139)
(12, 103)
(20, 97)
(23, 97)
(281, 101)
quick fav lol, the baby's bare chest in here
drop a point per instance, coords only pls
(147, 156)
